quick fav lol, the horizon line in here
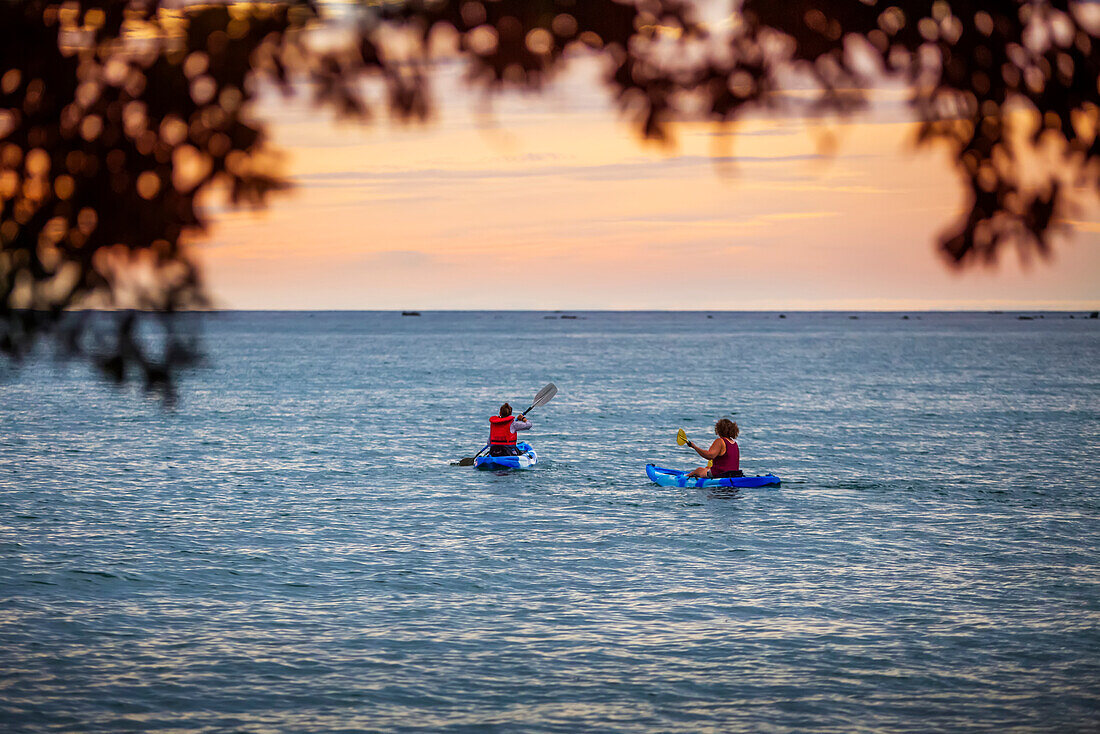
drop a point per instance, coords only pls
(421, 311)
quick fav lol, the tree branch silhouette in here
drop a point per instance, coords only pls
(116, 116)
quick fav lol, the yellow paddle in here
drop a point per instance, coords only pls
(682, 438)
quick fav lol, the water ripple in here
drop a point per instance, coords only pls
(290, 550)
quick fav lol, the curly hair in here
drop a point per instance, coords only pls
(727, 429)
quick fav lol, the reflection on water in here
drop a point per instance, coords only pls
(291, 549)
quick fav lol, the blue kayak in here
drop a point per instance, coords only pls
(674, 478)
(526, 459)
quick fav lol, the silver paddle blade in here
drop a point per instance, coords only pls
(545, 395)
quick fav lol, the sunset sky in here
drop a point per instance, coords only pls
(552, 201)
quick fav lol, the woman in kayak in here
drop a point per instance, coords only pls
(502, 431)
(723, 454)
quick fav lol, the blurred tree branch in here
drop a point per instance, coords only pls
(116, 116)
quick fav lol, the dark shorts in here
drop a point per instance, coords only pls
(503, 451)
(726, 474)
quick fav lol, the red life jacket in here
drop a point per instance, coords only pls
(500, 431)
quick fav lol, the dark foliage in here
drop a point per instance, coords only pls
(115, 116)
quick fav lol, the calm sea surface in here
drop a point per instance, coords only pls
(291, 550)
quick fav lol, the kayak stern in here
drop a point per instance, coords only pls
(525, 460)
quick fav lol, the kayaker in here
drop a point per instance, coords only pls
(723, 454)
(502, 431)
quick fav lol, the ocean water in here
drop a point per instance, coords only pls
(290, 549)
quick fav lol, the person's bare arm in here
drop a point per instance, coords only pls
(710, 454)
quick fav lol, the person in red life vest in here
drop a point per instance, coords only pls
(502, 431)
(723, 454)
